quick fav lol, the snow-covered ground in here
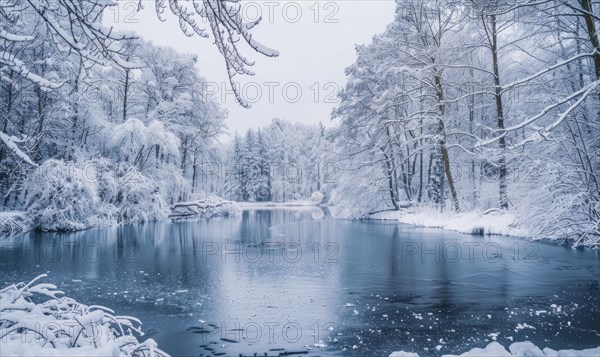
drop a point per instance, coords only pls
(315, 200)
(299, 203)
(488, 223)
(523, 349)
(38, 321)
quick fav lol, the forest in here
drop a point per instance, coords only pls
(447, 204)
(456, 107)
(476, 106)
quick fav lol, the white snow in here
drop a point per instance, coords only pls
(11, 142)
(14, 38)
(60, 326)
(320, 344)
(210, 207)
(317, 198)
(294, 203)
(403, 354)
(492, 223)
(522, 349)
(524, 326)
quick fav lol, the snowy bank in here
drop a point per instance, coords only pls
(60, 326)
(315, 200)
(212, 207)
(14, 222)
(493, 222)
(72, 196)
(523, 349)
(298, 203)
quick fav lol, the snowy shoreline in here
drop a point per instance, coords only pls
(267, 205)
(476, 223)
(18, 222)
(315, 200)
(489, 223)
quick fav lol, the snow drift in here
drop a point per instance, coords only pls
(493, 222)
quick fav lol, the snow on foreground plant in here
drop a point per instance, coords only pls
(36, 322)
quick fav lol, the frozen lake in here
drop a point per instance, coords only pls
(293, 280)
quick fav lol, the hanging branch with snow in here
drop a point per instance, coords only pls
(228, 28)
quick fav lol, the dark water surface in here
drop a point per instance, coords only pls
(283, 280)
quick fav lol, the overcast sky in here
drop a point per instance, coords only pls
(315, 40)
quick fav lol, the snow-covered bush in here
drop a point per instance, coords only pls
(63, 196)
(36, 321)
(74, 196)
(138, 198)
(317, 197)
(144, 146)
(171, 183)
(549, 208)
(151, 153)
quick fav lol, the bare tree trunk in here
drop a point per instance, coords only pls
(390, 173)
(75, 115)
(503, 185)
(9, 105)
(194, 170)
(442, 142)
(588, 16)
(471, 104)
(184, 156)
(125, 94)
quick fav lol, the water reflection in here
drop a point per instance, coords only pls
(295, 280)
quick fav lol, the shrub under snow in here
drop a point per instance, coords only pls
(317, 197)
(75, 196)
(63, 196)
(37, 322)
(137, 198)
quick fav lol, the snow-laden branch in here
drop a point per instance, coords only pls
(13, 37)
(546, 70)
(11, 142)
(19, 67)
(228, 28)
(584, 93)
